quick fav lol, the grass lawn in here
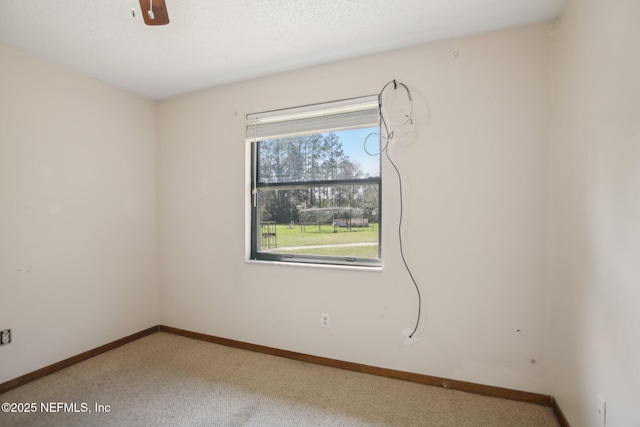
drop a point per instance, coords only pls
(311, 235)
(348, 251)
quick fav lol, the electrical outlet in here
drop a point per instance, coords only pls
(324, 320)
(5, 336)
(602, 411)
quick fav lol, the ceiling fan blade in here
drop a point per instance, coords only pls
(159, 9)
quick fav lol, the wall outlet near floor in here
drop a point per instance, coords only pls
(324, 320)
(5, 336)
(601, 411)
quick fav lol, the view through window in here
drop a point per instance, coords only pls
(316, 194)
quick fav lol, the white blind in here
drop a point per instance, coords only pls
(330, 116)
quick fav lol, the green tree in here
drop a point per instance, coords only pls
(308, 158)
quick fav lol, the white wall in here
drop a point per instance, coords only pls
(595, 212)
(476, 201)
(489, 206)
(78, 246)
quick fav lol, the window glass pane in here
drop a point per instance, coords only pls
(328, 156)
(316, 189)
(341, 221)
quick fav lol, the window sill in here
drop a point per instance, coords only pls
(314, 265)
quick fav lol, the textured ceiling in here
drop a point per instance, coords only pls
(213, 42)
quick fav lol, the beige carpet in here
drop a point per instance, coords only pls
(168, 380)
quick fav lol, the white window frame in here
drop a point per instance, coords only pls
(317, 118)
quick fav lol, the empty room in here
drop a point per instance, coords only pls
(305, 213)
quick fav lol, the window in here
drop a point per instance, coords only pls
(316, 183)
